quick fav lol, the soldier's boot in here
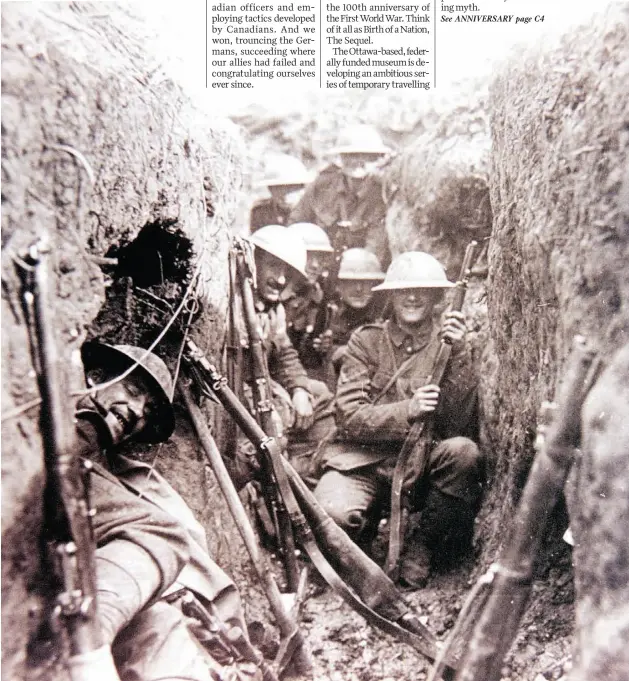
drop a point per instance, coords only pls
(442, 534)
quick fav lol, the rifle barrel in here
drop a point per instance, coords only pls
(67, 513)
(286, 624)
(498, 623)
(261, 388)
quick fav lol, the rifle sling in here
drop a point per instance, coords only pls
(417, 429)
(425, 645)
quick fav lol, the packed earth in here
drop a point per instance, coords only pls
(141, 189)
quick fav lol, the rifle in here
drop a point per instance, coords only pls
(207, 377)
(378, 601)
(558, 435)
(67, 515)
(261, 388)
(421, 431)
(231, 642)
(234, 354)
(325, 310)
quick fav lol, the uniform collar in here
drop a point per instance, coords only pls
(353, 189)
(417, 341)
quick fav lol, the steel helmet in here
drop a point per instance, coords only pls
(285, 170)
(360, 139)
(97, 355)
(313, 236)
(359, 263)
(283, 243)
(414, 269)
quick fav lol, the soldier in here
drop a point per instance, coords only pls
(307, 414)
(304, 298)
(381, 391)
(149, 546)
(359, 272)
(285, 175)
(346, 198)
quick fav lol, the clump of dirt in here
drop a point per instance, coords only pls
(97, 144)
(558, 247)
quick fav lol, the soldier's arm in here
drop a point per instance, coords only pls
(285, 366)
(288, 369)
(356, 415)
(140, 551)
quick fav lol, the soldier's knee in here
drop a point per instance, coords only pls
(465, 452)
(350, 519)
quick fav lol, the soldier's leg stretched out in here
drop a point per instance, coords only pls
(157, 645)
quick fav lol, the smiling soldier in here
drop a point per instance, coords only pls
(382, 389)
(150, 548)
(304, 404)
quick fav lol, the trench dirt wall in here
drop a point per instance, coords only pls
(557, 268)
(97, 143)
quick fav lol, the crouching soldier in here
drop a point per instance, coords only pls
(149, 546)
(284, 177)
(304, 298)
(359, 272)
(382, 390)
(304, 404)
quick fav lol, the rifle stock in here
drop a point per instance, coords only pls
(421, 431)
(378, 602)
(558, 435)
(261, 388)
(286, 623)
(67, 515)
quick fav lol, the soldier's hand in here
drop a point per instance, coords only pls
(323, 343)
(454, 328)
(304, 414)
(423, 402)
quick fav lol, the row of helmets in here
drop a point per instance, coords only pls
(364, 141)
(291, 244)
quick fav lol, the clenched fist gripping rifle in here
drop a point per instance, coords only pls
(420, 433)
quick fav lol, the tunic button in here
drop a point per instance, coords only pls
(409, 349)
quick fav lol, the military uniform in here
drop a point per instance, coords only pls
(344, 322)
(331, 198)
(372, 423)
(140, 524)
(302, 309)
(268, 211)
(287, 374)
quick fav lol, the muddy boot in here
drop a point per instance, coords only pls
(443, 532)
(415, 565)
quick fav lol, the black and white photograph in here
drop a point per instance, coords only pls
(315, 341)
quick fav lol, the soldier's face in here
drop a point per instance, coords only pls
(356, 293)
(271, 276)
(358, 165)
(281, 192)
(316, 264)
(126, 406)
(413, 306)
